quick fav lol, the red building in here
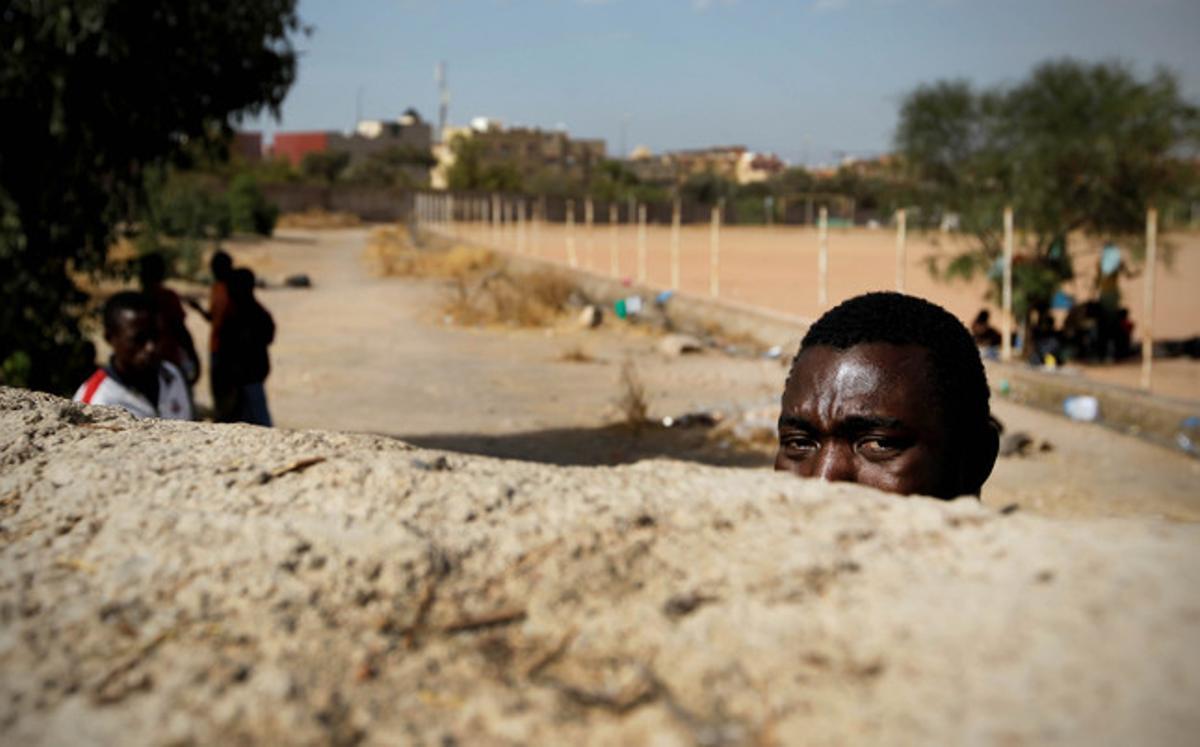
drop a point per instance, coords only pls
(294, 146)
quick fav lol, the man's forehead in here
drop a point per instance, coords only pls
(873, 373)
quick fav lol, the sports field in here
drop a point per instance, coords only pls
(776, 268)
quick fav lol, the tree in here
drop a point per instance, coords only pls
(325, 167)
(1076, 147)
(471, 171)
(96, 94)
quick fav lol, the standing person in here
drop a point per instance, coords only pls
(248, 332)
(136, 378)
(1108, 288)
(175, 344)
(224, 393)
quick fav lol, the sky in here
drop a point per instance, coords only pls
(811, 80)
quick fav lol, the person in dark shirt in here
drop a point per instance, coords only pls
(247, 333)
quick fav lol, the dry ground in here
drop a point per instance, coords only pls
(360, 353)
(191, 584)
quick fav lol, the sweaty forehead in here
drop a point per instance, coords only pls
(875, 379)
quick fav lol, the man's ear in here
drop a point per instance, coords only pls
(977, 466)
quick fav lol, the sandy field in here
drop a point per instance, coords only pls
(190, 584)
(776, 268)
(367, 354)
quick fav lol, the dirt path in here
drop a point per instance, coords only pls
(359, 353)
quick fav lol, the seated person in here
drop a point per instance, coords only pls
(889, 391)
(986, 336)
(136, 378)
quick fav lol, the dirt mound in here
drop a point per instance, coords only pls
(177, 583)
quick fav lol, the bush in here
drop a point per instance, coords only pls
(249, 210)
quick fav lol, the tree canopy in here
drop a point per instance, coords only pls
(1075, 147)
(98, 93)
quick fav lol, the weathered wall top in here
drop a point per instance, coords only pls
(178, 583)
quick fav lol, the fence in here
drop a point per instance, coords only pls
(680, 247)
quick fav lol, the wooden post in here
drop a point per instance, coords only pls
(1006, 290)
(676, 218)
(613, 261)
(1148, 297)
(539, 216)
(572, 260)
(901, 248)
(589, 218)
(521, 226)
(493, 213)
(823, 258)
(641, 243)
(714, 253)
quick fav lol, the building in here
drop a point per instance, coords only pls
(758, 167)
(370, 137)
(531, 151)
(735, 163)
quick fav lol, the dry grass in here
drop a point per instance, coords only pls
(632, 402)
(499, 297)
(576, 354)
(390, 253)
(481, 289)
(317, 218)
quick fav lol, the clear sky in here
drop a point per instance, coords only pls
(807, 79)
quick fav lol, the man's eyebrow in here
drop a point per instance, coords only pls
(857, 423)
(796, 423)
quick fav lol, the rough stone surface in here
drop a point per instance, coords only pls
(168, 583)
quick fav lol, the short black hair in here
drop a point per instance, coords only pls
(152, 269)
(221, 264)
(125, 301)
(959, 379)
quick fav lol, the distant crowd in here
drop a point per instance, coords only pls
(154, 366)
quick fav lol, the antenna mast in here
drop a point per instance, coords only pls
(439, 76)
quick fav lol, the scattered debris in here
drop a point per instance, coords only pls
(440, 464)
(488, 620)
(300, 280)
(576, 354)
(297, 466)
(1084, 408)
(627, 307)
(1188, 437)
(699, 419)
(675, 345)
(774, 352)
(591, 316)
(681, 605)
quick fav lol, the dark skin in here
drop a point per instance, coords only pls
(134, 341)
(870, 415)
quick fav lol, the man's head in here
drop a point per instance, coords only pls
(220, 265)
(241, 284)
(152, 270)
(131, 328)
(889, 391)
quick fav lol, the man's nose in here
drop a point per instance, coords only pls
(835, 463)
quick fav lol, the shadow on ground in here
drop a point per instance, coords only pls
(605, 445)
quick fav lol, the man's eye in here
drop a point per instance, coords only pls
(800, 445)
(878, 446)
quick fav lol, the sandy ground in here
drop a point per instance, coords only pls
(190, 584)
(358, 353)
(777, 268)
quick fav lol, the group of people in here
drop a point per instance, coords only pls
(1099, 330)
(154, 364)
